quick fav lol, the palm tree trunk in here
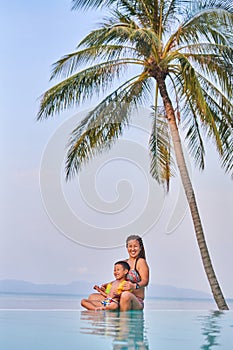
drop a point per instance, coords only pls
(215, 287)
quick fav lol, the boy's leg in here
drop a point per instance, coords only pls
(96, 297)
(90, 305)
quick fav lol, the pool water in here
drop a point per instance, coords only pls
(148, 329)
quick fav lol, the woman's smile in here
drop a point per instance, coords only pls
(133, 248)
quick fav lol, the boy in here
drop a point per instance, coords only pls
(111, 295)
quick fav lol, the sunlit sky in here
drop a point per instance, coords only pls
(40, 241)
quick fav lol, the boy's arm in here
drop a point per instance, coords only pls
(104, 285)
(100, 291)
(103, 288)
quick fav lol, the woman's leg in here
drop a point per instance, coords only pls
(128, 301)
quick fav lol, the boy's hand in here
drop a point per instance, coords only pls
(103, 287)
(96, 287)
(100, 290)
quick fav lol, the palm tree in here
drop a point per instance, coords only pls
(184, 57)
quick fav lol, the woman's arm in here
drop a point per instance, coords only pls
(143, 270)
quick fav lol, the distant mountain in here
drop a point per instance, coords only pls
(16, 286)
(85, 288)
(166, 291)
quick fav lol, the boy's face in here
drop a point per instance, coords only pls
(119, 271)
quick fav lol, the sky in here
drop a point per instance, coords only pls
(58, 232)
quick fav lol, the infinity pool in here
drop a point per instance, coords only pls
(78, 330)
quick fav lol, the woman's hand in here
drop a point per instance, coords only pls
(128, 286)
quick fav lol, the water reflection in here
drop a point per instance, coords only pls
(127, 329)
(211, 329)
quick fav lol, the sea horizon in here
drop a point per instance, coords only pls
(53, 301)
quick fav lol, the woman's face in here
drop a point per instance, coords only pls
(133, 247)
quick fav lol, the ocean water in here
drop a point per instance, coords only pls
(58, 322)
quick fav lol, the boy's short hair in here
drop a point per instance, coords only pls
(124, 264)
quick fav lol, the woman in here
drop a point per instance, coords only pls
(138, 276)
(132, 297)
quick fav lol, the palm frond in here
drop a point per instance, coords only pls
(162, 163)
(217, 100)
(221, 55)
(206, 5)
(80, 87)
(216, 68)
(105, 123)
(113, 32)
(194, 93)
(69, 63)
(189, 120)
(215, 26)
(85, 4)
(130, 11)
(222, 112)
(172, 10)
(219, 108)
(227, 154)
(193, 135)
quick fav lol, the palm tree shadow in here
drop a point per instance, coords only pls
(127, 329)
(211, 329)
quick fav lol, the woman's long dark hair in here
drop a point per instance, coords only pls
(142, 253)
